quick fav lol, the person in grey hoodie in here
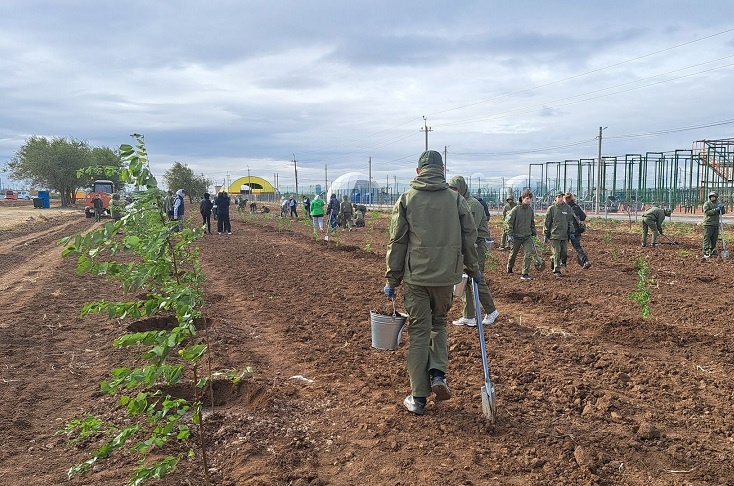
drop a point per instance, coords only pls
(428, 262)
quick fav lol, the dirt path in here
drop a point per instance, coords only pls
(588, 391)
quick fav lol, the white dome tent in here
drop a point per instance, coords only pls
(356, 185)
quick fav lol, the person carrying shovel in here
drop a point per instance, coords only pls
(712, 211)
(652, 220)
(428, 262)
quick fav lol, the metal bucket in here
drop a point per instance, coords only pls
(386, 330)
(459, 287)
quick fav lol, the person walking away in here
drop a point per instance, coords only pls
(428, 263)
(98, 206)
(345, 212)
(333, 210)
(223, 223)
(520, 227)
(469, 314)
(486, 208)
(307, 206)
(558, 230)
(179, 209)
(294, 207)
(317, 213)
(652, 220)
(579, 226)
(205, 208)
(712, 211)
(510, 203)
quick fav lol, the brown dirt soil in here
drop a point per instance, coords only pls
(588, 392)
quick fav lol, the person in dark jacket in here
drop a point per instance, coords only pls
(712, 211)
(307, 206)
(652, 220)
(428, 263)
(520, 227)
(223, 224)
(579, 227)
(468, 313)
(205, 208)
(293, 205)
(332, 209)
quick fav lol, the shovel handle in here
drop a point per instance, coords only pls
(480, 327)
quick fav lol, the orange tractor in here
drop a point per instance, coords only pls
(101, 190)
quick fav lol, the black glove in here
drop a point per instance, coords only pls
(389, 291)
(720, 207)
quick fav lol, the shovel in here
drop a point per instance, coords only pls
(671, 241)
(724, 251)
(489, 407)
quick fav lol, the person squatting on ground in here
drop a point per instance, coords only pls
(223, 223)
(332, 209)
(359, 215)
(317, 213)
(652, 220)
(520, 227)
(558, 230)
(469, 313)
(205, 208)
(505, 210)
(345, 213)
(579, 216)
(712, 211)
(179, 208)
(428, 263)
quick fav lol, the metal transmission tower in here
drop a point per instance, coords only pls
(426, 128)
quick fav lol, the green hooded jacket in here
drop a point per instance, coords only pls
(654, 216)
(558, 222)
(477, 210)
(520, 222)
(432, 234)
(711, 213)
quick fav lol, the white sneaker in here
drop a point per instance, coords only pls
(490, 318)
(465, 321)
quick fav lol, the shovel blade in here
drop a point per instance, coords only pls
(724, 254)
(489, 406)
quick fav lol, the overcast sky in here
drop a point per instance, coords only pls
(223, 85)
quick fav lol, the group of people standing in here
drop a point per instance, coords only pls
(219, 208)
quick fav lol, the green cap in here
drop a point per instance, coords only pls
(430, 157)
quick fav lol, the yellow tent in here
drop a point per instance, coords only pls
(251, 185)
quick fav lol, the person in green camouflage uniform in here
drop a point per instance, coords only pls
(520, 225)
(652, 220)
(432, 237)
(712, 211)
(345, 213)
(469, 313)
(558, 230)
(506, 209)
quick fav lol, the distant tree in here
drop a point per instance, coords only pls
(180, 176)
(51, 164)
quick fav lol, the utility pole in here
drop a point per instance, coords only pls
(426, 128)
(295, 170)
(249, 182)
(369, 175)
(326, 180)
(598, 174)
(445, 156)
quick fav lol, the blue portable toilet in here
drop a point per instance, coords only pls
(43, 195)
